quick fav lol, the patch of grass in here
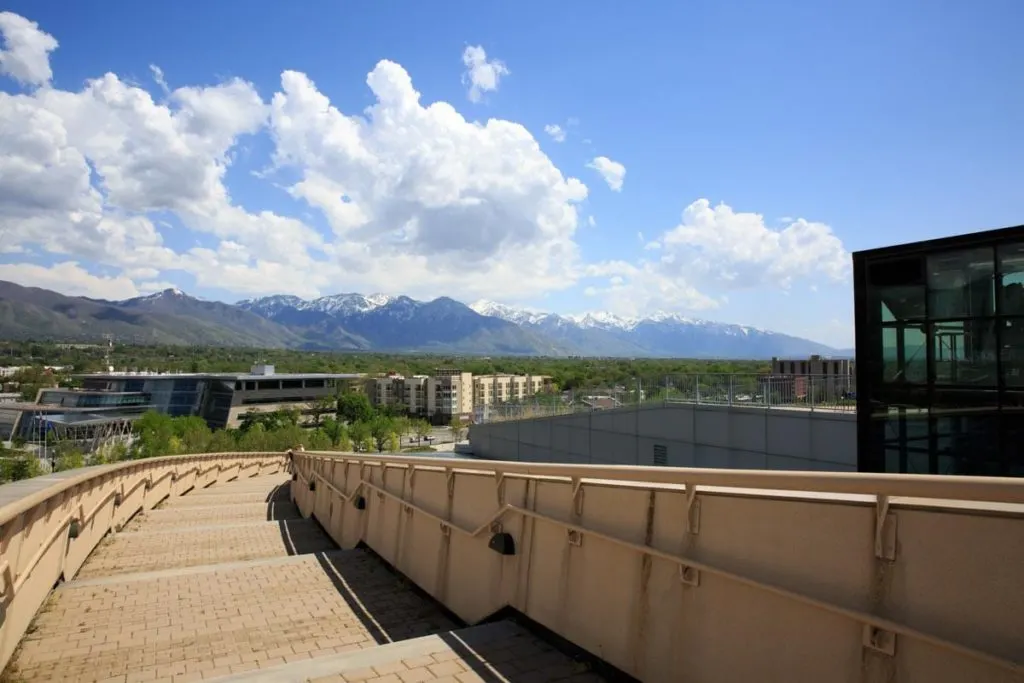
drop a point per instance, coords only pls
(420, 449)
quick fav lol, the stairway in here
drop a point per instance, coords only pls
(231, 584)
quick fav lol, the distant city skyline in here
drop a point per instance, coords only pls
(506, 154)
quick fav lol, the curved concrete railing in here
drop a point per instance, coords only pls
(50, 524)
(725, 575)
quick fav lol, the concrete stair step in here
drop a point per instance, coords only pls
(225, 496)
(500, 651)
(215, 620)
(162, 517)
(148, 549)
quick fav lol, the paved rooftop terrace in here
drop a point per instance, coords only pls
(230, 583)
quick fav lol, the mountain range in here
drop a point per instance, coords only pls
(381, 322)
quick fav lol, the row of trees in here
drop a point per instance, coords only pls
(567, 373)
(157, 434)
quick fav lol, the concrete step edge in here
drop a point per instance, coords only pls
(179, 508)
(196, 570)
(169, 529)
(300, 672)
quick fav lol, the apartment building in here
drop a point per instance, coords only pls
(491, 389)
(828, 376)
(815, 365)
(450, 391)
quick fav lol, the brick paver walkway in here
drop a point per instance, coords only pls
(206, 587)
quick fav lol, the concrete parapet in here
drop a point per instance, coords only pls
(679, 435)
(725, 575)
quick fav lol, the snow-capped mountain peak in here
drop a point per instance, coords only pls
(378, 300)
(512, 314)
(388, 321)
(604, 320)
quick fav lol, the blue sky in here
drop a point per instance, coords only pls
(821, 129)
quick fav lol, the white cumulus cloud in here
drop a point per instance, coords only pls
(612, 171)
(25, 51)
(739, 249)
(715, 250)
(70, 278)
(482, 74)
(556, 132)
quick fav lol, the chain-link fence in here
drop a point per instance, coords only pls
(803, 392)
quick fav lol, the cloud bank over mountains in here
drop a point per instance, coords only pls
(112, 190)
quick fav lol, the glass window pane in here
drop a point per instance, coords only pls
(1013, 433)
(964, 352)
(967, 425)
(904, 355)
(961, 284)
(900, 303)
(1012, 351)
(1011, 267)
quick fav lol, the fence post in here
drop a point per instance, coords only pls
(730, 389)
(697, 387)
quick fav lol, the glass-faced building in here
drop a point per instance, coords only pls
(940, 355)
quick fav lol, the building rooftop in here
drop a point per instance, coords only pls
(221, 375)
(83, 419)
(25, 407)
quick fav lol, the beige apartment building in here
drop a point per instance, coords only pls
(450, 391)
(491, 389)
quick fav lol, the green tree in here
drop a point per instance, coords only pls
(155, 432)
(19, 465)
(323, 407)
(193, 434)
(254, 439)
(458, 429)
(360, 434)
(394, 443)
(422, 429)
(335, 432)
(381, 429)
(355, 407)
(69, 459)
(317, 440)
(222, 441)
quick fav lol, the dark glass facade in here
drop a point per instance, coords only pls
(940, 355)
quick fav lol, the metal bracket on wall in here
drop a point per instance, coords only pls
(499, 487)
(879, 640)
(577, 496)
(689, 575)
(575, 537)
(692, 510)
(885, 530)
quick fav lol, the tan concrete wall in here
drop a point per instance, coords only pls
(37, 516)
(706, 575)
(693, 435)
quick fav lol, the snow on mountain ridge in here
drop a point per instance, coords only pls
(606, 320)
(512, 314)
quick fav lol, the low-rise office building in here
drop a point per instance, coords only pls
(219, 398)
